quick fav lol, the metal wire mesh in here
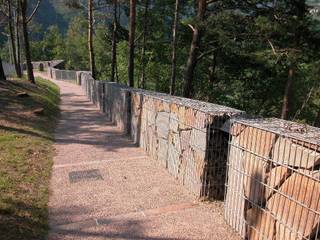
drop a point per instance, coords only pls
(65, 75)
(187, 141)
(273, 186)
(8, 68)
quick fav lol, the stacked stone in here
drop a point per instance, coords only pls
(120, 100)
(184, 136)
(273, 189)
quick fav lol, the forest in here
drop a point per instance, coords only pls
(258, 56)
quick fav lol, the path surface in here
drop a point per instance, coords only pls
(133, 198)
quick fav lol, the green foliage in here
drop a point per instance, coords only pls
(246, 50)
(76, 44)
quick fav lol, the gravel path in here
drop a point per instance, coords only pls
(103, 187)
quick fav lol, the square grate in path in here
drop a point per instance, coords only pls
(78, 176)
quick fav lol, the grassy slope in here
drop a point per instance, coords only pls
(26, 153)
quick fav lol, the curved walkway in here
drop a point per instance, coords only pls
(104, 187)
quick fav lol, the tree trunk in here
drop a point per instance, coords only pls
(13, 42)
(193, 52)
(90, 39)
(26, 40)
(132, 30)
(143, 52)
(114, 41)
(2, 75)
(286, 105)
(174, 50)
(287, 93)
(17, 32)
(212, 69)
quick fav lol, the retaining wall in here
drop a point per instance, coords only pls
(8, 68)
(183, 135)
(273, 179)
(45, 64)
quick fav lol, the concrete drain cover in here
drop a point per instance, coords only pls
(92, 175)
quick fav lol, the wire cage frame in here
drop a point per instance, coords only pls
(273, 180)
(189, 142)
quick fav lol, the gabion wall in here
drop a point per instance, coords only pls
(185, 137)
(272, 190)
(8, 68)
(273, 187)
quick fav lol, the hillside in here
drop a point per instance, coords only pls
(54, 12)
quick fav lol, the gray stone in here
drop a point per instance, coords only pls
(192, 179)
(162, 124)
(174, 123)
(173, 161)
(185, 139)
(198, 139)
(162, 152)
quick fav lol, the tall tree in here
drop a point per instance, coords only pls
(17, 35)
(143, 51)
(114, 41)
(132, 30)
(300, 10)
(24, 21)
(174, 49)
(2, 75)
(194, 50)
(12, 39)
(90, 39)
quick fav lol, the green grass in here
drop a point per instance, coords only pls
(26, 152)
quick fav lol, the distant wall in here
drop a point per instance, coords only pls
(8, 68)
(54, 71)
(46, 64)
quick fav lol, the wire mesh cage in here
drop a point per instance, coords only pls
(66, 75)
(273, 185)
(184, 138)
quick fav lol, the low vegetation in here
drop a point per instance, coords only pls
(28, 116)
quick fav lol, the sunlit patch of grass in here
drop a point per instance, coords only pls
(26, 152)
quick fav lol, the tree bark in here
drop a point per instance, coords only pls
(286, 104)
(287, 93)
(174, 50)
(193, 52)
(212, 68)
(2, 75)
(114, 41)
(26, 40)
(17, 32)
(13, 42)
(90, 39)
(143, 52)
(132, 30)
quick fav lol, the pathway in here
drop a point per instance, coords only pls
(103, 187)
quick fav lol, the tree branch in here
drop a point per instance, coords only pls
(207, 53)
(192, 27)
(272, 47)
(137, 39)
(34, 11)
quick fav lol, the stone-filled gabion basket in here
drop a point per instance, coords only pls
(273, 187)
(185, 137)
